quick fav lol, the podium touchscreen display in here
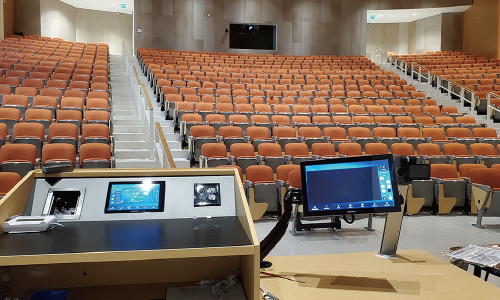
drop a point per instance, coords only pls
(135, 197)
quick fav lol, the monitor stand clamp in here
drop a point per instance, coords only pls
(392, 228)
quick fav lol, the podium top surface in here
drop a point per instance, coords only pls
(139, 239)
(414, 274)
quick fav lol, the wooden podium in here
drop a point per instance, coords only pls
(105, 260)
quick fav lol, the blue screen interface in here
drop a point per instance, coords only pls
(134, 197)
(340, 186)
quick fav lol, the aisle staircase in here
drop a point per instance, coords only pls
(128, 131)
(179, 155)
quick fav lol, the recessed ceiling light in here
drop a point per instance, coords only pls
(113, 4)
(414, 14)
(379, 15)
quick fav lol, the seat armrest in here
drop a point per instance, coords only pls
(300, 139)
(428, 139)
(315, 157)
(280, 183)
(326, 138)
(259, 158)
(248, 184)
(287, 158)
(478, 158)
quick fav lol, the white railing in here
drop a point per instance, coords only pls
(157, 145)
(383, 56)
(142, 103)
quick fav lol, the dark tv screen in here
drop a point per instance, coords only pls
(252, 36)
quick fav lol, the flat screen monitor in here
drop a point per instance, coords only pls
(252, 36)
(135, 197)
(351, 185)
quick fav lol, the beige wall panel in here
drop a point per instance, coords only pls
(284, 32)
(412, 37)
(272, 11)
(403, 39)
(199, 12)
(345, 26)
(481, 28)
(452, 30)
(147, 35)
(57, 19)
(383, 36)
(287, 15)
(25, 12)
(178, 20)
(147, 5)
(335, 26)
(199, 45)
(306, 38)
(208, 31)
(326, 14)
(233, 9)
(297, 9)
(1, 21)
(81, 24)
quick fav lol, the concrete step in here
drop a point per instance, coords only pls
(131, 154)
(120, 112)
(171, 136)
(172, 145)
(129, 137)
(131, 145)
(135, 164)
(181, 163)
(179, 153)
(128, 129)
(132, 122)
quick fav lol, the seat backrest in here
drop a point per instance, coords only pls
(376, 148)
(455, 149)
(242, 150)
(269, 150)
(350, 149)
(230, 131)
(95, 130)
(97, 103)
(484, 149)
(409, 132)
(485, 132)
(94, 151)
(38, 114)
(335, 132)
(7, 181)
(404, 149)
(488, 176)
(296, 150)
(458, 132)
(294, 179)
(58, 152)
(211, 118)
(20, 100)
(363, 132)
(75, 93)
(237, 118)
(449, 109)
(63, 130)
(323, 150)
(213, 150)
(283, 171)
(259, 173)
(18, 152)
(466, 120)
(465, 169)
(96, 115)
(310, 132)
(384, 132)
(428, 149)
(282, 132)
(434, 133)
(199, 131)
(35, 130)
(257, 132)
(9, 113)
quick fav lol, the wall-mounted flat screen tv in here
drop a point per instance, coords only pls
(252, 36)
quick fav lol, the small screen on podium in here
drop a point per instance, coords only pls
(135, 197)
(351, 185)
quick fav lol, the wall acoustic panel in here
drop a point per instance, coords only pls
(304, 27)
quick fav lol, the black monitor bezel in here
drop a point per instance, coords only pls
(371, 210)
(161, 202)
